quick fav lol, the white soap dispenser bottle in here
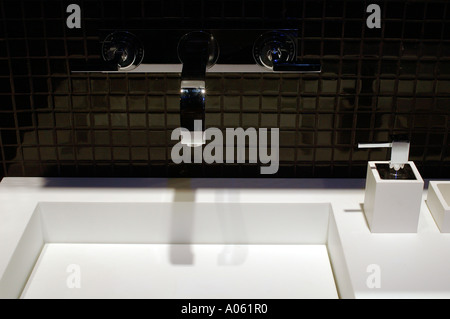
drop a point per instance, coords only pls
(394, 189)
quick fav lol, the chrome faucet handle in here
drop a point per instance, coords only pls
(120, 51)
(277, 51)
(280, 66)
(297, 67)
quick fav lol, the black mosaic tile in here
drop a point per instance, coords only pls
(374, 83)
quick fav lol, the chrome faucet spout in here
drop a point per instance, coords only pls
(197, 51)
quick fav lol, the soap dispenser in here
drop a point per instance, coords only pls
(393, 194)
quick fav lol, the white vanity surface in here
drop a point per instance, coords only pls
(209, 238)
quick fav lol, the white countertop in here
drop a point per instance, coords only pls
(408, 265)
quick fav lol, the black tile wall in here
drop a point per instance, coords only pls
(393, 80)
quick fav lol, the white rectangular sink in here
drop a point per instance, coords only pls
(172, 250)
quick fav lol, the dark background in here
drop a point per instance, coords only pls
(393, 80)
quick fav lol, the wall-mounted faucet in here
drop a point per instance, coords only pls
(193, 54)
(241, 51)
(197, 51)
